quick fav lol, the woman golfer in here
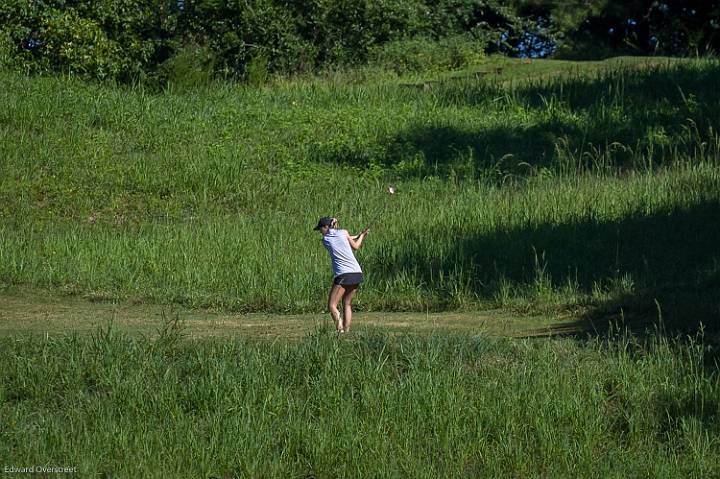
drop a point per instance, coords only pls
(347, 274)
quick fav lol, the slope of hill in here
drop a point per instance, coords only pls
(541, 185)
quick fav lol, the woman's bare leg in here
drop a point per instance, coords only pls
(336, 292)
(347, 305)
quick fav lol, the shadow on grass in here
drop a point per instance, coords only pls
(617, 120)
(667, 263)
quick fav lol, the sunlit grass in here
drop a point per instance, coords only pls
(373, 405)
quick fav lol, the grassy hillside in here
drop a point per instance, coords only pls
(588, 188)
(533, 186)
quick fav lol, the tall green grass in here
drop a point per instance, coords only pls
(555, 192)
(380, 406)
(436, 246)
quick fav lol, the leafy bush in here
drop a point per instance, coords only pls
(78, 45)
(256, 72)
(121, 39)
(6, 50)
(423, 54)
(191, 67)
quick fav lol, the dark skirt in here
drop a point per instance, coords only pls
(348, 279)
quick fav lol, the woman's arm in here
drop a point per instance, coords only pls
(356, 241)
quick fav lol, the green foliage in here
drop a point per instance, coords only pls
(565, 14)
(256, 72)
(191, 67)
(235, 31)
(115, 39)
(6, 51)
(130, 40)
(647, 27)
(344, 31)
(78, 45)
(422, 54)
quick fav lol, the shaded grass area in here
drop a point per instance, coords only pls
(621, 118)
(378, 405)
(665, 261)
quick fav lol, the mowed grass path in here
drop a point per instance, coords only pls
(33, 311)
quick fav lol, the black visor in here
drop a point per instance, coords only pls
(324, 221)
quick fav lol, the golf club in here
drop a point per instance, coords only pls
(391, 191)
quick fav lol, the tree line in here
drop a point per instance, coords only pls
(151, 40)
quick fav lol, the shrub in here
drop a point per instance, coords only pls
(78, 45)
(189, 68)
(122, 39)
(6, 50)
(256, 73)
(423, 54)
